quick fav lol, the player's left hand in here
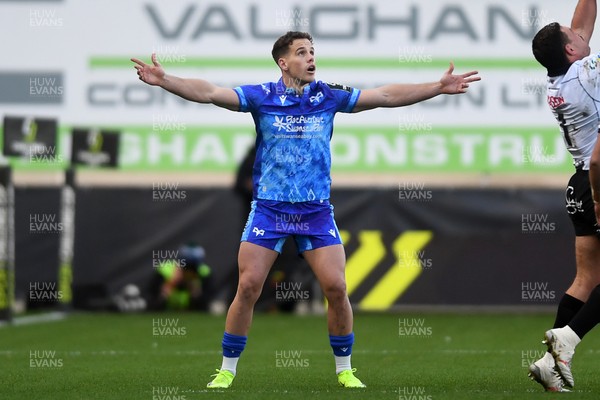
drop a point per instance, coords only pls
(455, 84)
(151, 74)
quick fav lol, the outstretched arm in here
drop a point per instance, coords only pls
(197, 90)
(584, 18)
(398, 95)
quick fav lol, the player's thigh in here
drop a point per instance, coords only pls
(328, 263)
(255, 262)
(587, 253)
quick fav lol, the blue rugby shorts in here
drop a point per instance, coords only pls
(311, 224)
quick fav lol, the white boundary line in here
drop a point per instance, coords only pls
(36, 319)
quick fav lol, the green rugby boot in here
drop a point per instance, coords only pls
(223, 380)
(347, 379)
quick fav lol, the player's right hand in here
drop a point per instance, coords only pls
(150, 74)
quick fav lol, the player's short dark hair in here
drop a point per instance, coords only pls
(283, 44)
(548, 48)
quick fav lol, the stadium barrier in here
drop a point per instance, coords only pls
(411, 245)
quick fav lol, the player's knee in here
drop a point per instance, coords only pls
(335, 291)
(249, 288)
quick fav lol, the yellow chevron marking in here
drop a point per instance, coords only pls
(345, 236)
(360, 264)
(402, 274)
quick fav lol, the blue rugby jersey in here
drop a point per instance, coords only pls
(293, 134)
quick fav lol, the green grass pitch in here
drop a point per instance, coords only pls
(416, 356)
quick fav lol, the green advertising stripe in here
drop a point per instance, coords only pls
(402, 62)
(408, 147)
(413, 147)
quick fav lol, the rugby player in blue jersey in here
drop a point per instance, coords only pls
(294, 125)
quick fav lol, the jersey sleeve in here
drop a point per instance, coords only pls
(346, 96)
(241, 93)
(589, 75)
(249, 96)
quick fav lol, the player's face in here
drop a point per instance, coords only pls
(577, 47)
(299, 62)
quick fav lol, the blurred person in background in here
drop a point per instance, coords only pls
(291, 181)
(573, 94)
(184, 282)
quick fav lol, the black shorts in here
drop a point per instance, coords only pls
(580, 205)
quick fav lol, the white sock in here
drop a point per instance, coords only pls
(230, 364)
(342, 363)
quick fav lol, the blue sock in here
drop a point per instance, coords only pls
(233, 345)
(342, 345)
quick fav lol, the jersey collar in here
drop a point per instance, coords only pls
(281, 88)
